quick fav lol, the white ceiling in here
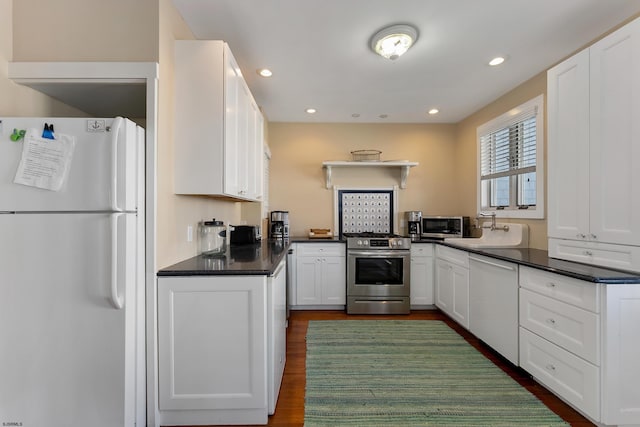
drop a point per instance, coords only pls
(319, 51)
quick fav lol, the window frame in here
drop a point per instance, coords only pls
(511, 117)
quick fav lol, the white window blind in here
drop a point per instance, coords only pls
(510, 162)
(510, 150)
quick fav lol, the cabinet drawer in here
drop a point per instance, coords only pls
(614, 256)
(454, 256)
(321, 249)
(570, 327)
(572, 291)
(569, 376)
(422, 249)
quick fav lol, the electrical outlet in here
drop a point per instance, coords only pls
(189, 233)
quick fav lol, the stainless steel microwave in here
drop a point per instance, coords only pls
(439, 227)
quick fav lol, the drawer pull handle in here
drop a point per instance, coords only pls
(551, 321)
(551, 368)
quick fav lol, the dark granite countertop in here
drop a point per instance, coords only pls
(248, 260)
(537, 258)
(263, 258)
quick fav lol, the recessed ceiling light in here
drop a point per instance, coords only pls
(265, 72)
(496, 61)
(434, 111)
(383, 116)
(310, 110)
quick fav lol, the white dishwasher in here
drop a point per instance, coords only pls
(493, 304)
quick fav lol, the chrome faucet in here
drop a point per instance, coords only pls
(493, 221)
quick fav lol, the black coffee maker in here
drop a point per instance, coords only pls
(414, 224)
(279, 225)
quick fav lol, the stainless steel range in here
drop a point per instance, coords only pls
(378, 270)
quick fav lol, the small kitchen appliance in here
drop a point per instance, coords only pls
(244, 234)
(414, 224)
(378, 273)
(212, 237)
(439, 227)
(279, 225)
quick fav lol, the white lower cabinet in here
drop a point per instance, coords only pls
(422, 274)
(570, 377)
(221, 348)
(581, 340)
(452, 283)
(320, 274)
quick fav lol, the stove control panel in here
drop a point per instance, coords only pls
(394, 243)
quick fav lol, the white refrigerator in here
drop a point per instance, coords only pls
(72, 348)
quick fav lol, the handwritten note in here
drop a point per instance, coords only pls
(45, 162)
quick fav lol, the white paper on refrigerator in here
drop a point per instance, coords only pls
(45, 162)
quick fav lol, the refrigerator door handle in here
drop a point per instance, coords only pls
(115, 130)
(116, 299)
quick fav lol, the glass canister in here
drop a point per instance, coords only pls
(212, 237)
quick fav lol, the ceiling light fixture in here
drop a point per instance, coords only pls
(434, 111)
(310, 110)
(393, 41)
(265, 72)
(496, 61)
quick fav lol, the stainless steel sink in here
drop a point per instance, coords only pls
(511, 236)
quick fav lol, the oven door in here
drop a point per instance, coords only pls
(378, 273)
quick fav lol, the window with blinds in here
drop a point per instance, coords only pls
(510, 160)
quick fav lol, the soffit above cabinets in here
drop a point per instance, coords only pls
(100, 89)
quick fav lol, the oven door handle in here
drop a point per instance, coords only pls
(379, 254)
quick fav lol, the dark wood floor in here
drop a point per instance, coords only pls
(290, 408)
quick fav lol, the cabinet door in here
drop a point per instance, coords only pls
(615, 133)
(334, 281)
(277, 332)
(309, 278)
(232, 113)
(255, 152)
(568, 148)
(211, 342)
(422, 274)
(460, 308)
(444, 286)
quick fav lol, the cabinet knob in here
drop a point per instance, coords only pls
(581, 236)
(593, 236)
(550, 367)
(551, 321)
(551, 285)
(588, 253)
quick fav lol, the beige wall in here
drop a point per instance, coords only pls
(466, 149)
(85, 30)
(297, 182)
(19, 100)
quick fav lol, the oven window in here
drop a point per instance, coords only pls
(379, 271)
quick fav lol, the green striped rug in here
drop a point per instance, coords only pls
(409, 373)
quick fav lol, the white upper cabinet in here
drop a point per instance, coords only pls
(594, 144)
(218, 129)
(615, 137)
